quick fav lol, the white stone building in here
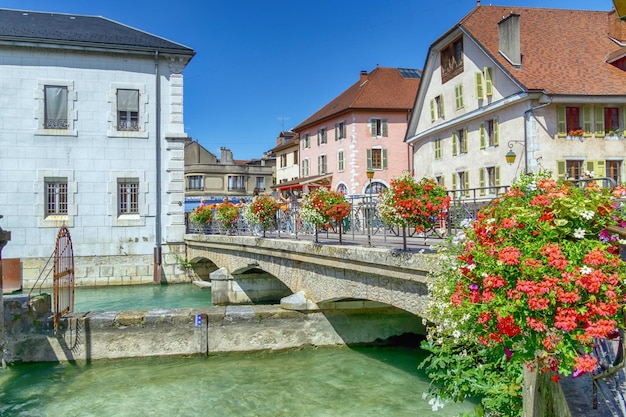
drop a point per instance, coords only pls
(91, 136)
(546, 84)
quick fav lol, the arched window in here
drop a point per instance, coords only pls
(342, 188)
(377, 187)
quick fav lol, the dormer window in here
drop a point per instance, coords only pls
(452, 60)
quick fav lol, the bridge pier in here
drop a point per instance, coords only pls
(252, 287)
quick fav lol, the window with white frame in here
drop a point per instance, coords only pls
(195, 182)
(340, 130)
(127, 109)
(340, 161)
(55, 103)
(342, 189)
(377, 158)
(56, 196)
(378, 128)
(127, 196)
(306, 141)
(322, 164)
(322, 136)
(236, 182)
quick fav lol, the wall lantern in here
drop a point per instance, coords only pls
(510, 157)
(620, 8)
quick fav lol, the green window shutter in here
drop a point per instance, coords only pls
(483, 136)
(497, 170)
(340, 161)
(443, 180)
(480, 92)
(441, 107)
(433, 115)
(587, 121)
(599, 121)
(369, 159)
(319, 138)
(496, 132)
(384, 158)
(461, 96)
(598, 168)
(561, 125)
(385, 130)
(467, 184)
(437, 148)
(337, 131)
(481, 180)
(454, 150)
(457, 96)
(373, 128)
(465, 140)
(488, 81)
(319, 165)
(454, 181)
(560, 170)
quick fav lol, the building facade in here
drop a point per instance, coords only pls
(92, 138)
(361, 129)
(287, 155)
(494, 84)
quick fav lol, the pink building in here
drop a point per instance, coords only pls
(362, 129)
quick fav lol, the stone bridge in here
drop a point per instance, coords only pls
(324, 274)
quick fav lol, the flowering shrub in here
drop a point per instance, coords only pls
(202, 215)
(576, 132)
(261, 211)
(227, 214)
(410, 203)
(321, 206)
(531, 282)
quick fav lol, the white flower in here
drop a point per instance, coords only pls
(579, 233)
(435, 403)
(585, 270)
(456, 334)
(531, 186)
(587, 214)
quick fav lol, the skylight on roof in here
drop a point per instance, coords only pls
(410, 73)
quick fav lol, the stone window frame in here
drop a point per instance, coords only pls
(40, 108)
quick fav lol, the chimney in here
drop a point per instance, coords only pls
(617, 27)
(363, 76)
(509, 38)
(226, 156)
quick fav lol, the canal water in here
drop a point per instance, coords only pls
(324, 382)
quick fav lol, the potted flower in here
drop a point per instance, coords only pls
(227, 214)
(322, 206)
(261, 212)
(531, 282)
(202, 215)
(576, 133)
(407, 202)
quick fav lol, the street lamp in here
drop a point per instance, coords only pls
(510, 155)
(370, 175)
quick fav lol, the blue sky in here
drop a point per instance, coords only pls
(264, 66)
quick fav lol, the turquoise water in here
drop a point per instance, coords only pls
(140, 297)
(360, 382)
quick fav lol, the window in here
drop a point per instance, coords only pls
(378, 128)
(611, 120)
(569, 169)
(127, 109)
(436, 109)
(459, 142)
(480, 89)
(342, 189)
(460, 182)
(236, 182)
(489, 180)
(458, 95)
(440, 180)
(55, 103)
(259, 183)
(322, 167)
(377, 158)
(452, 60)
(283, 160)
(321, 136)
(127, 197)
(56, 196)
(305, 168)
(194, 182)
(489, 133)
(306, 141)
(340, 130)
(614, 170)
(340, 161)
(375, 188)
(438, 148)
(488, 74)
(295, 157)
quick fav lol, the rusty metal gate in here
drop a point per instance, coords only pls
(63, 276)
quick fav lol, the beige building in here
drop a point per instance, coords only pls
(287, 155)
(213, 178)
(495, 83)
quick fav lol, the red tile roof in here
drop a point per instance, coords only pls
(563, 51)
(382, 89)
